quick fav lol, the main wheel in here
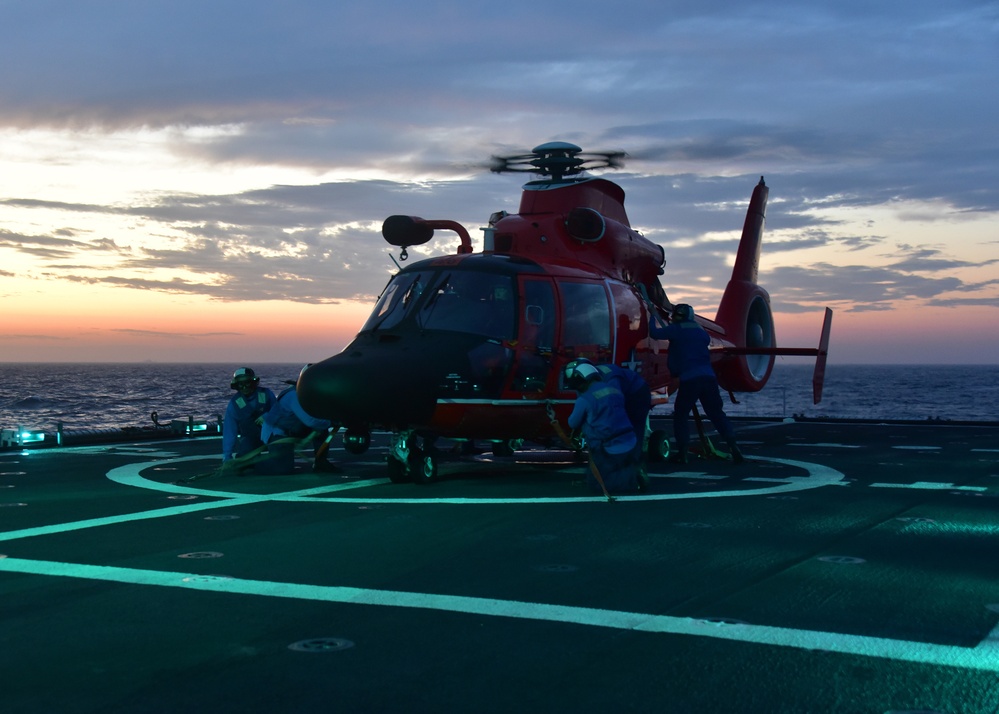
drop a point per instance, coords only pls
(422, 466)
(658, 446)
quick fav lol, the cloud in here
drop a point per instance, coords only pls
(175, 335)
(844, 108)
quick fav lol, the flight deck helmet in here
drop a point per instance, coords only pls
(579, 373)
(683, 313)
(244, 375)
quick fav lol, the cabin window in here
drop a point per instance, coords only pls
(472, 302)
(537, 336)
(586, 315)
(539, 314)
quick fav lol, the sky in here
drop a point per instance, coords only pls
(206, 181)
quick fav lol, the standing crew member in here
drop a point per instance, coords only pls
(599, 412)
(289, 419)
(245, 414)
(690, 361)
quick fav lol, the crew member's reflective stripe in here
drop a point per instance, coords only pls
(261, 399)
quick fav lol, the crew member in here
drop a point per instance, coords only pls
(284, 424)
(245, 414)
(600, 414)
(637, 397)
(690, 361)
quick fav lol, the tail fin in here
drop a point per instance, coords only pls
(747, 321)
(747, 260)
(744, 312)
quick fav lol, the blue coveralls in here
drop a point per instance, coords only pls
(610, 437)
(637, 398)
(287, 419)
(240, 431)
(690, 360)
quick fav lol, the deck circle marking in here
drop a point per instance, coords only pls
(221, 518)
(817, 475)
(201, 555)
(842, 559)
(321, 644)
(12, 504)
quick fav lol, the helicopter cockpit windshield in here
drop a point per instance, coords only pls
(472, 302)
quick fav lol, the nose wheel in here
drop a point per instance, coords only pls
(407, 463)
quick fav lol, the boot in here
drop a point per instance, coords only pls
(737, 457)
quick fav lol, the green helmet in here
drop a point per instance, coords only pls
(683, 313)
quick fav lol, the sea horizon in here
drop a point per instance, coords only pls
(114, 395)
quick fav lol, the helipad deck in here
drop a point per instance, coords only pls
(845, 568)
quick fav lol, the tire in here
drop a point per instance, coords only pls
(658, 446)
(356, 442)
(422, 467)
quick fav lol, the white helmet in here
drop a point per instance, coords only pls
(580, 372)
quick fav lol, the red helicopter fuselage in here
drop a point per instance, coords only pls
(472, 346)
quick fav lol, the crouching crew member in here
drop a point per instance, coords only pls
(637, 399)
(244, 415)
(600, 414)
(283, 425)
(690, 361)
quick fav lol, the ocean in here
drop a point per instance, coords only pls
(112, 396)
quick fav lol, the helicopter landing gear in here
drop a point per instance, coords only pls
(658, 446)
(409, 463)
(356, 441)
(506, 447)
(423, 467)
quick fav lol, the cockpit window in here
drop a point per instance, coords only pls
(472, 302)
(459, 301)
(398, 298)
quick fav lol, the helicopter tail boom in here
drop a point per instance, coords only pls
(746, 320)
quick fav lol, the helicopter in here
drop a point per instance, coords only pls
(471, 346)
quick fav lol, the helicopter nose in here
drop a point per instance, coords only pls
(350, 390)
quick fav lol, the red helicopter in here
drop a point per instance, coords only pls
(471, 346)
